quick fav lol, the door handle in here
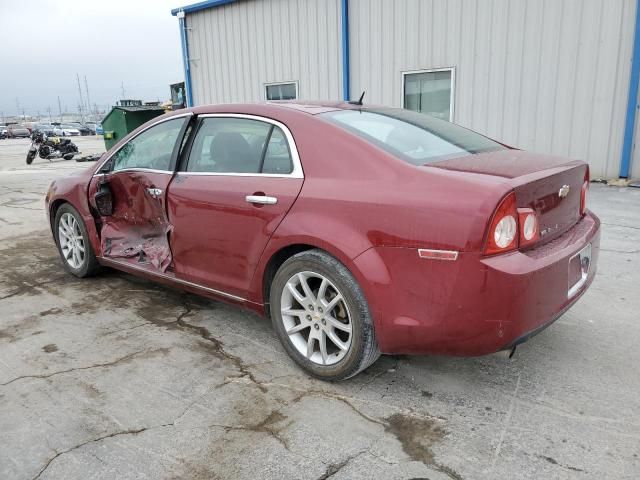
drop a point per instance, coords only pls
(261, 199)
(154, 192)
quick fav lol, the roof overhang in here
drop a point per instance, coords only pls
(196, 7)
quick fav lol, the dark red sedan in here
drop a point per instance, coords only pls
(357, 230)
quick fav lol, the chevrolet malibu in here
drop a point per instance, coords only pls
(357, 230)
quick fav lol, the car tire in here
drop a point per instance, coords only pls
(349, 352)
(71, 236)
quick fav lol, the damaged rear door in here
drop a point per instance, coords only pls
(129, 194)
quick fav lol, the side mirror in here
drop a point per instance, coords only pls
(104, 200)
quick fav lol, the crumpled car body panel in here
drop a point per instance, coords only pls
(138, 229)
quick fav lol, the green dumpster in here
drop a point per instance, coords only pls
(125, 118)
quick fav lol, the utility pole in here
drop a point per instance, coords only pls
(81, 99)
(122, 90)
(59, 109)
(86, 89)
(49, 112)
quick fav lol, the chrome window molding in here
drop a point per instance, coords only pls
(139, 169)
(295, 157)
(172, 278)
(158, 122)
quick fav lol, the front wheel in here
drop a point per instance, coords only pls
(73, 242)
(30, 156)
(322, 317)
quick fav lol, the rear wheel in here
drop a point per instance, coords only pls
(322, 317)
(73, 243)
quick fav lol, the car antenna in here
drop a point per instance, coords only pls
(359, 101)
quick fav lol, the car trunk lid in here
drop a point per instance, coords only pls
(549, 185)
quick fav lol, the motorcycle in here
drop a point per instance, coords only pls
(50, 147)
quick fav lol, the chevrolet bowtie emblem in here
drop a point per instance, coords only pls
(564, 191)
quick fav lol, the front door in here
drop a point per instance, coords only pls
(241, 177)
(137, 176)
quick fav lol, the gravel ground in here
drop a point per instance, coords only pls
(115, 377)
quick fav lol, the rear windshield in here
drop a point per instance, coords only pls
(413, 137)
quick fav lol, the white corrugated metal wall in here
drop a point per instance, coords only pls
(236, 48)
(547, 75)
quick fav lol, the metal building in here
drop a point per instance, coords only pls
(552, 76)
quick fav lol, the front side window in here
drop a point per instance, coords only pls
(239, 145)
(415, 138)
(430, 93)
(152, 149)
(282, 91)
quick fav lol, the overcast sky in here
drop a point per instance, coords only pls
(44, 43)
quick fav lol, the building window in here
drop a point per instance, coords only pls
(282, 91)
(430, 92)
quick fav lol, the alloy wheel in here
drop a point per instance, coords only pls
(316, 318)
(71, 240)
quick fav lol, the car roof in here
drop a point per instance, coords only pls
(309, 107)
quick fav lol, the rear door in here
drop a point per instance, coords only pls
(240, 178)
(137, 177)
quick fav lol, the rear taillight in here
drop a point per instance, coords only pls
(503, 229)
(529, 231)
(583, 193)
(511, 227)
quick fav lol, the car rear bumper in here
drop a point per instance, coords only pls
(474, 305)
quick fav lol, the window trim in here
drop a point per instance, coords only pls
(452, 97)
(141, 169)
(297, 171)
(271, 84)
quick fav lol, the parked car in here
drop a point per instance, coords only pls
(66, 131)
(99, 129)
(83, 129)
(357, 230)
(47, 129)
(3, 131)
(18, 131)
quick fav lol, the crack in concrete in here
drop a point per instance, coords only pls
(112, 332)
(97, 365)
(411, 441)
(218, 346)
(553, 461)
(95, 440)
(334, 468)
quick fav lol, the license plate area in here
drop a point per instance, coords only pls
(579, 266)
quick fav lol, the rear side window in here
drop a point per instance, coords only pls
(413, 137)
(239, 145)
(277, 158)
